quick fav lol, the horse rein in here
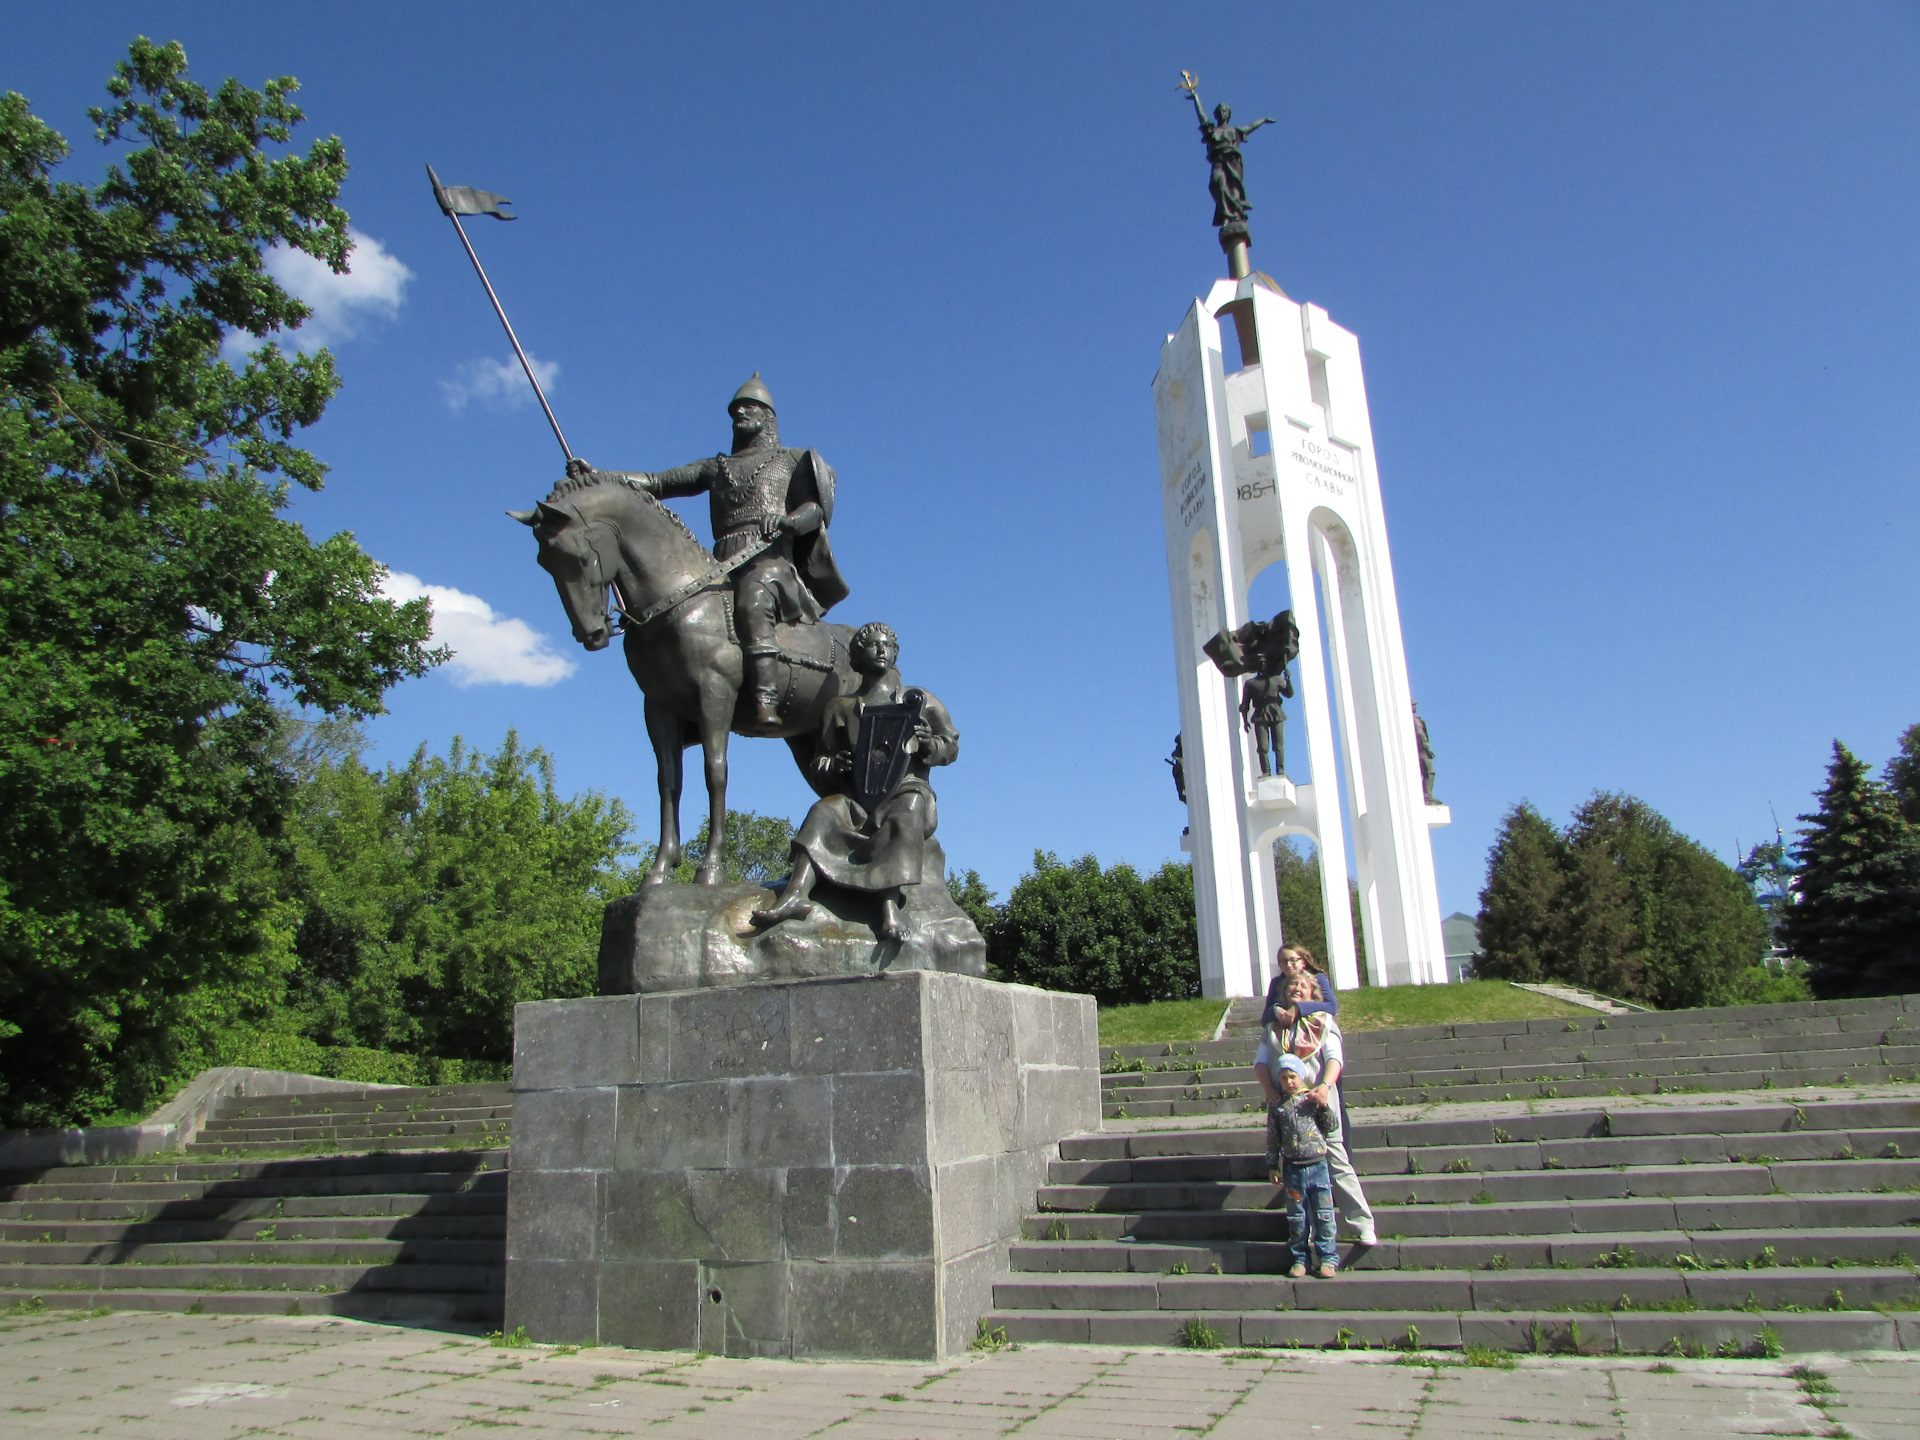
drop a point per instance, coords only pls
(674, 598)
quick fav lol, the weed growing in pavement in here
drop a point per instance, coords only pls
(990, 1338)
(1501, 1137)
(1486, 1358)
(1179, 1267)
(1462, 1166)
(1661, 1367)
(514, 1339)
(1482, 1197)
(1196, 1334)
(1057, 1230)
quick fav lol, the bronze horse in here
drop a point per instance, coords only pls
(686, 659)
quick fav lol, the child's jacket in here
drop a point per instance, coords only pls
(1297, 1130)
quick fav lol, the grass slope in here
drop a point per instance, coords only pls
(1380, 1007)
(1162, 1022)
(1395, 1007)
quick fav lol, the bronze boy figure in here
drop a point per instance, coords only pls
(877, 846)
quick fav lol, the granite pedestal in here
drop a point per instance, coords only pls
(818, 1167)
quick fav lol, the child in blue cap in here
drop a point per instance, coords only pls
(1297, 1150)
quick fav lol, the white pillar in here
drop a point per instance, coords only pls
(1273, 464)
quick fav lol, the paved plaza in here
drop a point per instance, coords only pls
(206, 1377)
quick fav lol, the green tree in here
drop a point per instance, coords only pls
(152, 597)
(436, 895)
(1620, 903)
(1303, 909)
(1856, 924)
(1682, 928)
(1107, 933)
(759, 849)
(1903, 775)
(1523, 909)
(971, 894)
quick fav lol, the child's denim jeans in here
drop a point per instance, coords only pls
(1308, 1186)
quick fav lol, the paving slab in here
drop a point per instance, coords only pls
(215, 1377)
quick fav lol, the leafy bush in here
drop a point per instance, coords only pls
(1110, 933)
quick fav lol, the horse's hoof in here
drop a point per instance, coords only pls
(706, 877)
(654, 877)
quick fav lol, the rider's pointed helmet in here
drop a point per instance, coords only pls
(753, 390)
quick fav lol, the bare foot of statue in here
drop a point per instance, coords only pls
(890, 927)
(795, 905)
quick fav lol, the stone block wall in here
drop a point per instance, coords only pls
(821, 1167)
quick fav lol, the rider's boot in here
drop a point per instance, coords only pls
(761, 666)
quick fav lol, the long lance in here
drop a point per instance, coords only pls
(458, 200)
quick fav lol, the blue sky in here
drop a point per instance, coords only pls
(1635, 286)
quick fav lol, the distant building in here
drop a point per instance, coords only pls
(1461, 932)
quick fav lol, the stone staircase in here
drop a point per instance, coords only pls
(382, 1204)
(1752, 1047)
(1735, 1226)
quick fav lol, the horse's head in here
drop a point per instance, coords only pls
(583, 556)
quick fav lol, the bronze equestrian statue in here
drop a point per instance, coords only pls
(718, 645)
(761, 492)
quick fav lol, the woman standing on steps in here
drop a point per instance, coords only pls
(1296, 1023)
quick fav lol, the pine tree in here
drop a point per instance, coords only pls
(1523, 910)
(1673, 925)
(1857, 922)
(1903, 775)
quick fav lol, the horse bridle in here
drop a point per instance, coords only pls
(672, 600)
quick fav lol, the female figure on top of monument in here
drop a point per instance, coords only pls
(761, 493)
(880, 741)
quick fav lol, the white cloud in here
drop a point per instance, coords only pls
(372, 287)
(488, 649)
(497, 382)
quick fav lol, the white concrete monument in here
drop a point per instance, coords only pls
(1266, 458)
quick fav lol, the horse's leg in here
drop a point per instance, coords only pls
(663, 728)
(716, 721)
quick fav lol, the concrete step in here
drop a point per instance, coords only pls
(417, 1131)
(1596, 1065)
(1596, 1055)
(1687, 1028)
(471, 1309)
(1514, 1186)
(1700, 1332)
(1889, 1245)
(1838, 1210)
(1518, 1155)
(164, 1192)
(340, 1102)
(266, 1206)
(1625, 1289)
(356, 1144)
(446, 1279)
(1359, 1098)
(293, 1125)
(423, 1162)
(490, 1225)
(245, 1253)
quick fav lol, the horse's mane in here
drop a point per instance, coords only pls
(554, 496)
